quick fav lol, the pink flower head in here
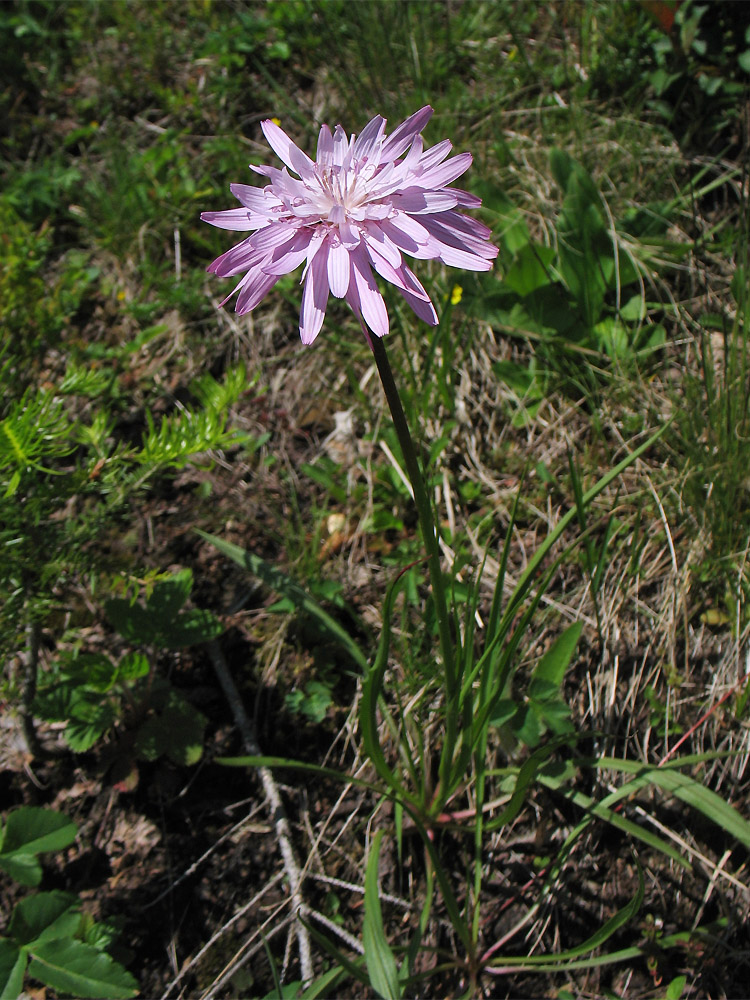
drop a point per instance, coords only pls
(362, 204)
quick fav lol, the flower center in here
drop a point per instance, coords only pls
(340, 194)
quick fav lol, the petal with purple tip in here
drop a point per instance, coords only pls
(237, 219)
(401, 137)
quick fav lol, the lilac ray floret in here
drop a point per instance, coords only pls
(351, 214)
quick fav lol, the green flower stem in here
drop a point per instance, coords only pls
(424, 511)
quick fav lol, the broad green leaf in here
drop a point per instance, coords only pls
(177, 731)
(520, 378)
(503, 711)
(189, 628)
(132, 621)
(676, 988)
(24, 868)
(161, 623)
(168, 596)
(530, 270)
(584, 242)
(611, 337)
(93, 669)
(44, 916)
(81, 736)
(381, 964)
(286, 992)
(541, 690)
(556, 715)
(74, 967)
(132, 667)
(32, 830)
(634, 310)
(526, 726)
(12, 968)
(556, 660)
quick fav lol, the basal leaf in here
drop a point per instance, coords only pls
(530, 270)
(381, 965)
(93, 669)
(706, 801)
(81, 736)
(176, 731)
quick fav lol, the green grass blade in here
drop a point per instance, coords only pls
(283, 584)
(319, 987)
(598, 938)
(688, 790)
(371, 690)
(524, 582)
(353, 968)
(603, 810)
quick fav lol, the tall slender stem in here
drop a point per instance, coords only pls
(424, 511)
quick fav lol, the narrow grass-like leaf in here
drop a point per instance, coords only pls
(283, 584)
(690, 791)
(381, 964)
(526, 776)
(407, 967)
(319, 987)
(597, 939)
(299, 765)
(603, 810)
(371, 690)
(352, 967)
(524, 583)
(278, 992)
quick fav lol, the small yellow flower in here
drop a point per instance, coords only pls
(94, 124)
(121, 296)
(276, 121)
(456, 295)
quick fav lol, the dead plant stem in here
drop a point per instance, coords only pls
(275, 805)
